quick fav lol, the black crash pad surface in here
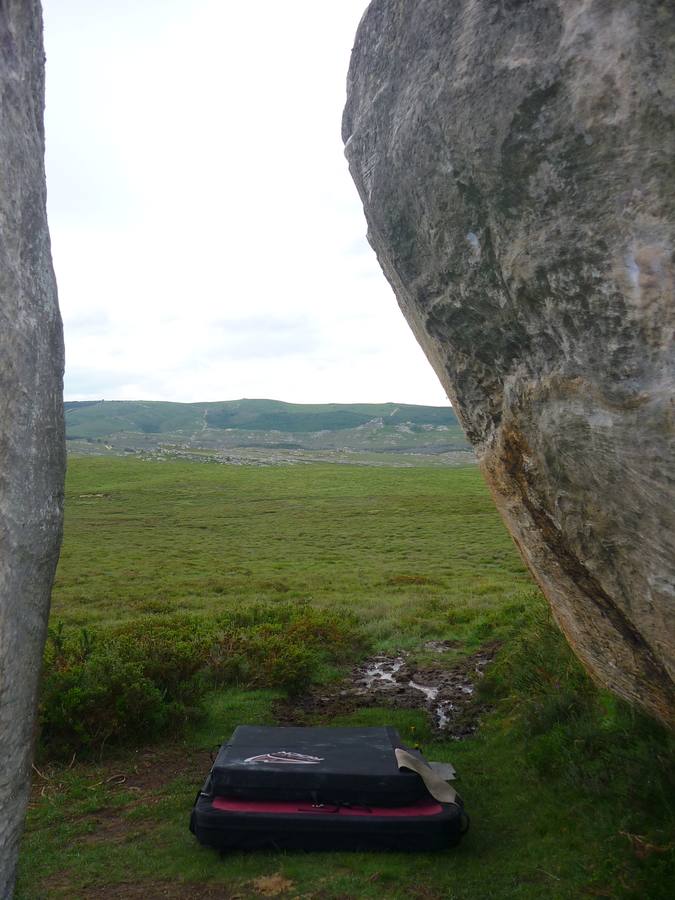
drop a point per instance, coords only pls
(323, 764)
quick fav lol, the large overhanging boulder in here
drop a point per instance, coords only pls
(516, 166)
(32, 454)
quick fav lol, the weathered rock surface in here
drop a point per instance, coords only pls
(32, 456)
(516, 165)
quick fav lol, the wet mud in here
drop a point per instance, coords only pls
(447, 693)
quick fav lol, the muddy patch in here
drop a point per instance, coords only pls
(153, 769)
(446, 694)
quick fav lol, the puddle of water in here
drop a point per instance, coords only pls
(429, 692)
(382, 669)
(444, 714)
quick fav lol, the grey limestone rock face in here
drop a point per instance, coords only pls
(516, 166)
(32, 454)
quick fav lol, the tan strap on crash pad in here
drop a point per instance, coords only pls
(440, 790)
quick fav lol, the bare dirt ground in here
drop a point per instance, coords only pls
(146, 771)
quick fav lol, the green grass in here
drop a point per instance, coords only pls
(144, 537)
(557, 779)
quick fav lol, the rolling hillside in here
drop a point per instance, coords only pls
(268, 431)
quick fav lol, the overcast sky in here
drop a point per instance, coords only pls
(208, 241)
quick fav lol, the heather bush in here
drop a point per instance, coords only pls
(132, 682)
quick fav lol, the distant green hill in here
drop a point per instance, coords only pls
(145, 426)
(108, 417)
(104, 417)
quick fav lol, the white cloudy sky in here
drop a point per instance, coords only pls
(208, 241)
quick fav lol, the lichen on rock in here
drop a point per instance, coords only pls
(516, 166)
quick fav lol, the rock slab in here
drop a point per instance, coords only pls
(516, 166)
(32, 442)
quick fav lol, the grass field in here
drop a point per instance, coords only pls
(570, 793)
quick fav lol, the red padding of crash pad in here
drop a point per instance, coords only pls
(421, 808)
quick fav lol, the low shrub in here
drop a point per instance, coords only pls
(127, 683)
(262, 658)
(172, 651)
(119, 684)
(336, 634)
(284, 663)
(87, 701)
